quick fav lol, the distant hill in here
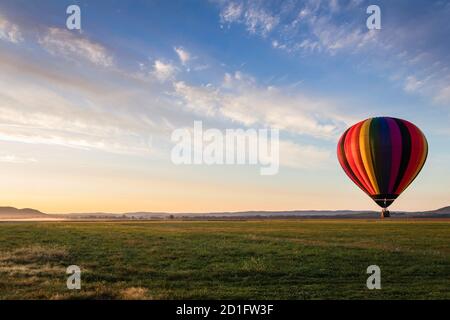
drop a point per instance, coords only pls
(11, 213)
(445, 210)
(26, 213)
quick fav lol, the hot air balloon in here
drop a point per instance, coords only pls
(382, 156)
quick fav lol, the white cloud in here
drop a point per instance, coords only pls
(9, 31)
(72, 46)
(83, 113)
(203, 100)
(241, 100)
(163, 71)
(326, 36)
(231, 13)
(183, 55)
(257, 20)
(41, 116)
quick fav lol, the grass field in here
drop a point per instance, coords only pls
(270, 259)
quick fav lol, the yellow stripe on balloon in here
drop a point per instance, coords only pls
(366, 156)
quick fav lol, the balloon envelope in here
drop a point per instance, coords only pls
(382, 156)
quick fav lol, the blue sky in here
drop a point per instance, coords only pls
(86, 117)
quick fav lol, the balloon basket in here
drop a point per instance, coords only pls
(385, 214)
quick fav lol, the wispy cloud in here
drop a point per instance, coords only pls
(9, 31)
(164, 70)
(412, 84)
(231, 12)
(256, 19)
(203, 100)
(307, 26)
(337, 28)
(74, 46)
(37, 107)
(40, 105)
(240, 99)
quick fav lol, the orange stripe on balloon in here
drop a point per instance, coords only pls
(366, 155)
(356, 152)
(344, 163)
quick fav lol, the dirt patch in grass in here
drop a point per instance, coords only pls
(34, 254)
(98, 293)
(101, 292)
(134, 293)
(33, 261)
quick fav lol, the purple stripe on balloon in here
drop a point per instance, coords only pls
(396, 151)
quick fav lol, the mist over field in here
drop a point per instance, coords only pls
(10, 213)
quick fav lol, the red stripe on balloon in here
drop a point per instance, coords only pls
(417, 149)
(422, 159)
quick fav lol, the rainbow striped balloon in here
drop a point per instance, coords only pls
(382, 156)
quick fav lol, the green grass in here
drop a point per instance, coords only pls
(293, 259)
